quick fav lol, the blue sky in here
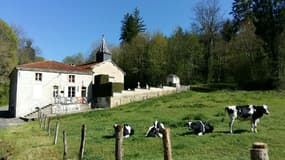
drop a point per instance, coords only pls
(65, 27)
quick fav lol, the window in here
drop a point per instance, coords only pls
(71, 78)
(71, 91)
(55, 91)
(38, 77)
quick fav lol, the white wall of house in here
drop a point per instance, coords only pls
(32, 93)
(108, 67)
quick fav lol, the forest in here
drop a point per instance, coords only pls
(247, 50)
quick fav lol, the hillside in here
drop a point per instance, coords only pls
(30, 142)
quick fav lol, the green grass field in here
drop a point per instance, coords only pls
(30, 142)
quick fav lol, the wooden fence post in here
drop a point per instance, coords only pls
(259, 151)
(39, 113)
(42, 120)
(64, 145)
(45, 121)
(82, 144)
(49, 121)
(167, 144)
(40, 117)
(56, 132)
(119, 142)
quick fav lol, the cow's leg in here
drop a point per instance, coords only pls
(254, 125)
(232, 120)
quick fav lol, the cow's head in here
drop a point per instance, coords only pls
(265, 107)
(189, 125)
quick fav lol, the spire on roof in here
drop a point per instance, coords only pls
(103, 53)
(103, 46)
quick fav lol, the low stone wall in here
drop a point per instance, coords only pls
(65, 108)
(138, 95)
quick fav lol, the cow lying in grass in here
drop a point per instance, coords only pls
(249, 112)
(156, 130)
(200, 127)
(127, 130)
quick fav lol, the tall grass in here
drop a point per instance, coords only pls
(30, 142)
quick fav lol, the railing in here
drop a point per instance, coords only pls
(70, 100)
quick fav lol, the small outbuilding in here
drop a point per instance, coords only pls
(173, 80)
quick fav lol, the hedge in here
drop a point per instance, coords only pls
(101, 79)
(107, 89)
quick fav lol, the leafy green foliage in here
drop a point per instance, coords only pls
(75, 59)
(248, 57)
(8, 49)
(268, 17)
(4, 93)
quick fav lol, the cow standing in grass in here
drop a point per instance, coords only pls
(156, 130)
(249, 112)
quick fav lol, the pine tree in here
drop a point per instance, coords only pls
(132, 24)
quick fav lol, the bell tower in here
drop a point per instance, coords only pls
(103, 54)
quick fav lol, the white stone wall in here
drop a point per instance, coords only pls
(32, 93)
(138, 95)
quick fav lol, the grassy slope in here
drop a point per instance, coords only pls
(30, 142)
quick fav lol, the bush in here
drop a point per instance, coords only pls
(213, 87)
(4, 94)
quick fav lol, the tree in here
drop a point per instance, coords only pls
(268, 17)
(8, 50)
(185, 56)
(156, 59)
(26, 52)
(74, 59)
(132, 25)
(133, 60)
(208, 22)
(228, 30)
(249, 61)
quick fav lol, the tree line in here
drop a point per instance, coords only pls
(247, 51)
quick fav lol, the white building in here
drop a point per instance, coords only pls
(173, 80)
(44, 83)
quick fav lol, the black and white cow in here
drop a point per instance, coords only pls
(156, 130)
(127, 130)
(200, 127)
(249, 112)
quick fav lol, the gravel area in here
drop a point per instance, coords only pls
(7, 122)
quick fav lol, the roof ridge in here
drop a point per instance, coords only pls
(53, 65)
